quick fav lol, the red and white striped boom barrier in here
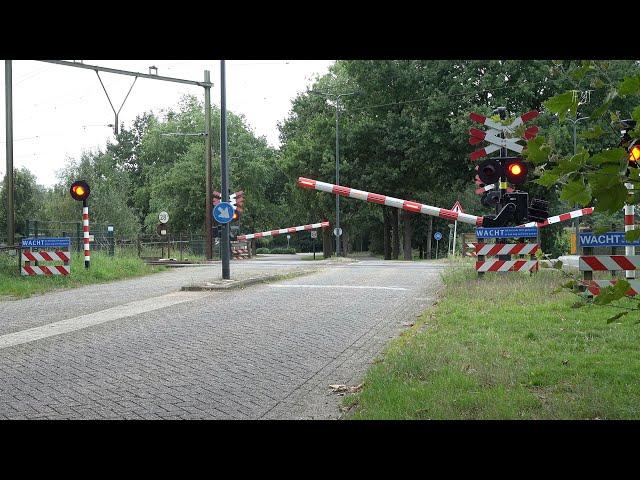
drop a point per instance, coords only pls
(389, 201)
(273, 233)
(563, 217)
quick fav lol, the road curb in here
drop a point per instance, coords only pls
(233, 284)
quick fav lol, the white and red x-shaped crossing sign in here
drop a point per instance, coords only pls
(496, 129)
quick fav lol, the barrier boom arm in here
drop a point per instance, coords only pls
(273, 233)
(389, 201)
(563, 217)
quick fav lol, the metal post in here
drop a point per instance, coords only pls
(209, 201)
(437, 245)
(110, 239)
(455, 228)
(225, 244)
(85, 232)
(11, 227)
(337, 178)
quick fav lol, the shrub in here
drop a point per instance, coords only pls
(262, 250)
(282, 250)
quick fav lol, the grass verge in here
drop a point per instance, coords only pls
(103, 269)
(506, 347)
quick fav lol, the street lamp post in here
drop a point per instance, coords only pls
(337, 100)
(575, 151)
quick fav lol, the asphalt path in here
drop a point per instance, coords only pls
(141, 348)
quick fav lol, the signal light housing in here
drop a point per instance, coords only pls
(490, 171)
(80, 190)
(515, 170)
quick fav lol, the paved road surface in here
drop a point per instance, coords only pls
(141, 349)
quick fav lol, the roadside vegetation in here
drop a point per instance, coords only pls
(507, 347)
(103, 269)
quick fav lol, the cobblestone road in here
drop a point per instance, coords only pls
(267, 351)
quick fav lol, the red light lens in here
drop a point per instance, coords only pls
(515, 169)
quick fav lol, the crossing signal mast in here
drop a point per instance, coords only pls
(512, 206)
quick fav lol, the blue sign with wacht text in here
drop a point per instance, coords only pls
(46, 242)
(507, 232)
(609, 239)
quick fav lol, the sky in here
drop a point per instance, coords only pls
(59, 111)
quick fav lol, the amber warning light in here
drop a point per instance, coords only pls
(80, 190)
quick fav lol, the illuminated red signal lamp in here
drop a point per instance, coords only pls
(516, 171)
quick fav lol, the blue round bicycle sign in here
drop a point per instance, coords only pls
(223, 212)
(437, 236)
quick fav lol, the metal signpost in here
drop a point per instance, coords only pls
(458, 209)
(314, 235)
(438, 237)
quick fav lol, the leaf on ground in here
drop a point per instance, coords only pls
(338, 387)
(616, 317)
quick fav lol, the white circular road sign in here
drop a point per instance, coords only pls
(163, 217)
(337, 232)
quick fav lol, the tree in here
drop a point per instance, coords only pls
(29, 200)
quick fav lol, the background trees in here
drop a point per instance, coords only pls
(403, 133)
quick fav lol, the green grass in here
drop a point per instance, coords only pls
(507, 347)
(103, 269)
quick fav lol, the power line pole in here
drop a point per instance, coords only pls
(209, 202)
(154, 76)
(225, 244)
(11, 227)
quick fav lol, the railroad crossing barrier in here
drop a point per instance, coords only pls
(389, 201)
(240, 250)
(60, 254)
(273, 233)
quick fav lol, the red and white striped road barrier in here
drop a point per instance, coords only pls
(45, 270)
(470, 250)
(273, 233)
(590, 263)
(389, 201)
(594, 286)
(493, 249)
(563, 217)
(507, 266)
(85, 233)
(45, 256)
(240, 253)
